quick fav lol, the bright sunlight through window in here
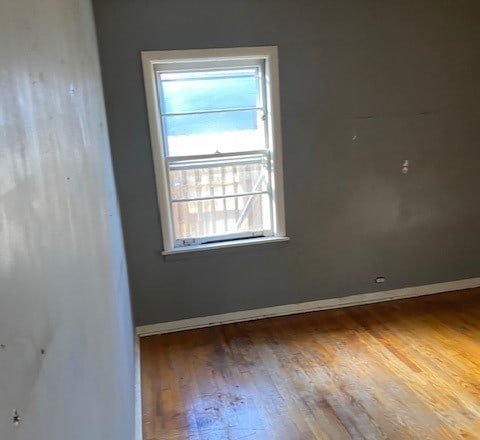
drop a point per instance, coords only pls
(215, 130)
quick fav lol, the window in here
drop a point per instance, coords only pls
(215, 130)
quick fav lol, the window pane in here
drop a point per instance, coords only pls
(221, 216)
(209, 90)
(207, 181)
(211, 132)
(206, 123)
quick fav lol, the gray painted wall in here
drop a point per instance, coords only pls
(365, 85)
(63, 281)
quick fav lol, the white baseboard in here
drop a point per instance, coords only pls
(138, 391)
(290, 309)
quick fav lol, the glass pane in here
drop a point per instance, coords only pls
(209, 90)
(205, 218)
(206, 181)
(206, 123)
(208, 133)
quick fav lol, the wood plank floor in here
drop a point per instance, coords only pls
(407, 369)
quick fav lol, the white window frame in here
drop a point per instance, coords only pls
(151, 61)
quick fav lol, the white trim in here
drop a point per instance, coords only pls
(290, 309)
(157, 149)
(182, 56)
(240, 155)
(224, 245)
(138, 391)
(272, 83)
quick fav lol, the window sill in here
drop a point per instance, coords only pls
(224, 245)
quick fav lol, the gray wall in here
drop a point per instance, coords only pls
(63, 281)
(365, 85)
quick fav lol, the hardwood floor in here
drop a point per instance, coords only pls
(407, 369)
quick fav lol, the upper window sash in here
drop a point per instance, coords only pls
(204, 107)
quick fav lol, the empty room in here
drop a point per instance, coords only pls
(225, 220)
